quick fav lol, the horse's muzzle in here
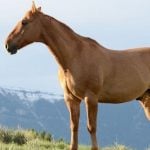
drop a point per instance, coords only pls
(11, 48)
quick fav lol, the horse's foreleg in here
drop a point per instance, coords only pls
(73, 105)
(92, 108)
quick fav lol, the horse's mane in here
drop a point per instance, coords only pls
(83, 37)
(68, 29)
(62, 24)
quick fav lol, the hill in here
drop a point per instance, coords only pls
(123, 123)
(31, 139)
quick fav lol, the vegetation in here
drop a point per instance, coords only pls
(32, 140)
(29, 140)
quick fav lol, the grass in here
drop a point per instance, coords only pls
(42, 145)
(32, 140)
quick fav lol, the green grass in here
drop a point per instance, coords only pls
(32, 140)
(43, 145)
(114, 147)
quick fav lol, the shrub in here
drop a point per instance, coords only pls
(48, 137)
(42, 135)
(30, 134)
(61, 145)
(19, 138)
(61, 140)
(45, 136)
(5, 136)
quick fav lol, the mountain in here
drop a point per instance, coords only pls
(122, 123)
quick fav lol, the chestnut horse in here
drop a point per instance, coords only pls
(87, 70)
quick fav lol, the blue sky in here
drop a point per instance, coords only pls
(115, 24)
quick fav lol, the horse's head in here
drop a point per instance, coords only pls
(26, 31)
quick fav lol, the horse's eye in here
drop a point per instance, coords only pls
(24, 22)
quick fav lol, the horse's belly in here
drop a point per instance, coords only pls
(116, 98)
(119, 97)
(125, 84)
(122, 93)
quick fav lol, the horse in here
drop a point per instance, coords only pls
(88, 71)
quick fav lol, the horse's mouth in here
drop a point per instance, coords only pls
(12, 49)
(12, 52)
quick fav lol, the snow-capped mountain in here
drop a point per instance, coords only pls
(122, 123)
(30, 95)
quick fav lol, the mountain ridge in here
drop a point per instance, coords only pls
(122, 123)
(31, 95)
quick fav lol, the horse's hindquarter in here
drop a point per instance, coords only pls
(129, 77)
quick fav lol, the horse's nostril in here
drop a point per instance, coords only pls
(6, 46)
(11, 48)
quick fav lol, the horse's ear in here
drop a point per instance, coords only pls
(34, 9)
(39, 8)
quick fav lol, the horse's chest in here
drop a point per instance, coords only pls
(79, 85)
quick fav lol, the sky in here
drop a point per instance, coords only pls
(115, 24)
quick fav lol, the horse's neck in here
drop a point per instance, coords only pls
(61, 41)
